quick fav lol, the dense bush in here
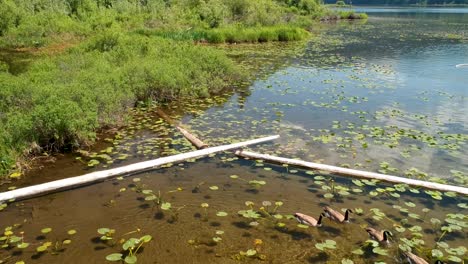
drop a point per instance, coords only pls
(63, 100)
(39, 22)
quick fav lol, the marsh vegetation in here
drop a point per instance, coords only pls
(393, 103)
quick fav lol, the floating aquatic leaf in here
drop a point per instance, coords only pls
(204, 205)
(46, 230)
(302, 226)
(130, 259)
(217, 239)
(358, 251)
(454, 259)
(71, 232)
(254, 223)
(41, 248)
(221, 213)
(234, 176)
(23, 245)
(249, 213)
(346, 261)
(255, 182)
(437, 253)
(251, 252)
(166, 206)
(66, 242)
(15, 175)
(146, 238)
(380, 251)
(214, 187)
(219, 232)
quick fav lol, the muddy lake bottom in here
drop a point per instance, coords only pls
(184, 234)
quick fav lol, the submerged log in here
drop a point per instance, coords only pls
(332, 169)
(193, 139)
(98, 176)
(354, 173)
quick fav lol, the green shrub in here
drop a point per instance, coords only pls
(61, 101)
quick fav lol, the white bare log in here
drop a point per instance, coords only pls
(354, 173)
(98, 176)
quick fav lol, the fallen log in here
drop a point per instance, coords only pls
(193, 139)
(98, 176)
(352, 172)
(332, 169)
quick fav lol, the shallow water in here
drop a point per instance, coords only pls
(383, 95)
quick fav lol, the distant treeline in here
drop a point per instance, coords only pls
(402, 2)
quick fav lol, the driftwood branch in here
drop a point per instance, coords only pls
(351, 172)
(193, 139)
(98, 176)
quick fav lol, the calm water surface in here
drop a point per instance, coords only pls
(382, 95)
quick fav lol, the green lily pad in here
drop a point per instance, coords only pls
(46, 230)
(130, 259)
(221, 213)
(166, 206)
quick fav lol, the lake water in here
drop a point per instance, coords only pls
(378, 95)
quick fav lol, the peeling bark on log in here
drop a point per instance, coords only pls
(98, 176)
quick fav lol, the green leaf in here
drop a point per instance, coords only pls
(130, 259)
(320, 246)
(251, 252)
(15, 175)
(71, 232)
(380, 251)
(23, 245)
(221, 213)
(358, 251)
(103, 230)
(437, 253)
(146, 238)
(41, 248)
(114, 257)
(454, 259)
(346, 261)
(46, 230)
(66, 242)
(150, 198)
(214, 188)
(130, 243)
(165, 206)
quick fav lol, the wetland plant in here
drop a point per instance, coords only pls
(130, 248)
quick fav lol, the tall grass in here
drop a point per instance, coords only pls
(234, 34)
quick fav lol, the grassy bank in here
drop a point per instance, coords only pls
(235, 34)
(62, 101)
(122, 52)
